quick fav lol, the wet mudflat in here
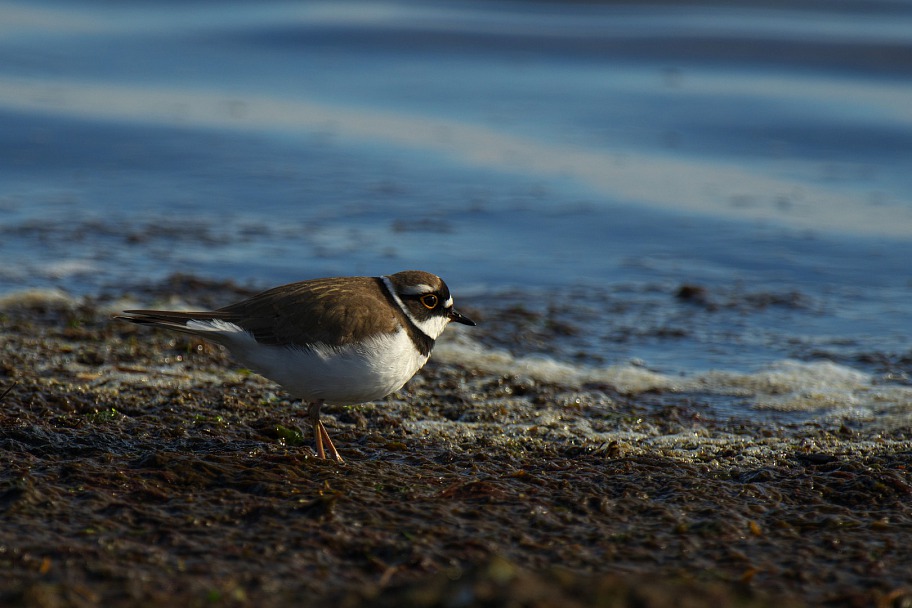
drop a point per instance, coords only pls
(140, 468)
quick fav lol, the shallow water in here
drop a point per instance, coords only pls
(581, 162)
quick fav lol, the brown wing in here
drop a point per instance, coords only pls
(333, 311)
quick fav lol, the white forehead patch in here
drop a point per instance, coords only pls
(421, 289)
(414, 290)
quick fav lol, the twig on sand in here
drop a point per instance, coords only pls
(6, 392)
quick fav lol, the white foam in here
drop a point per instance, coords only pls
(788, 376)
(821, 388)
(62, 269)
(457, 347)
(31, 297)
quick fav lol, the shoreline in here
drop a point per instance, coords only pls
(143, 467)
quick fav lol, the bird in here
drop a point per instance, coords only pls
(335, 340)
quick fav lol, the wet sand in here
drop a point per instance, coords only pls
(143, 468)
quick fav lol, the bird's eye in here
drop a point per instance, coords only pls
(429, 301)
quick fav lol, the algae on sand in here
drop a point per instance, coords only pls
(138, 468)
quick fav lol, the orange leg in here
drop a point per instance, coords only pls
(321, 436)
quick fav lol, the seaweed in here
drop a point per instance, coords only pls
(142, 469)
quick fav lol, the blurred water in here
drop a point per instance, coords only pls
(589, 157)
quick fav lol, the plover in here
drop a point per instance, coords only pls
(340, 340)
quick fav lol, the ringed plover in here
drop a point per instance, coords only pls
(341, 340)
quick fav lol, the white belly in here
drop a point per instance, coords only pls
(347, 375)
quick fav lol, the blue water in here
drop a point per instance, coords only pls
(589, 157)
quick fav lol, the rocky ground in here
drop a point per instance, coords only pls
(139, 468)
